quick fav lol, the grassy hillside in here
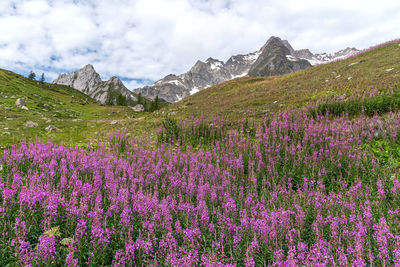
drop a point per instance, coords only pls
(63, 107)
(78, 118)
(379, 67)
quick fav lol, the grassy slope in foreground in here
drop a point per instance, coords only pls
(379, 67)
(57, 105)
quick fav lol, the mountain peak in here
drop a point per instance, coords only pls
(210, 59)
(198, 65)
(88, 67)
(170, 77)
(116, 81)
(274, 38)
(115, 78)
(277, 58)
(88, 81)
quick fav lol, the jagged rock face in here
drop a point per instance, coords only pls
(88, 81)
(322, 58)
(240, 65)
(206, 74)
(303, 53)
(276, 59)
(316, 59)
(169, 89)
(173, 88)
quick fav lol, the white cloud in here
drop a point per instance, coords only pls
(132, 84)
(34, 8)
(148, 39)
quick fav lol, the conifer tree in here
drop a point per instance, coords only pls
(32, 75)
(42, 79)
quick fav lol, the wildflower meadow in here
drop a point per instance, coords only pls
(301, 187)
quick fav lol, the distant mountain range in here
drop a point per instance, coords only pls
(275, 57)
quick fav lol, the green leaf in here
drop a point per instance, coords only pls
(66, 241)
(55, 231)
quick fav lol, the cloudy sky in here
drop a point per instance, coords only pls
(141, 41)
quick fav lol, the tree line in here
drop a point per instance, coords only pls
(32, 76)
(149, 105)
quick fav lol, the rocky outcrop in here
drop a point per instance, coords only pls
(88, 81)
(138, 108)
(51, 128)
(20, 103)
(31, 124)
(276, 57)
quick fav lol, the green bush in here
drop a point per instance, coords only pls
(387, 153)
(375, 105)
(121, 100)
(170, 130)
(196, 133)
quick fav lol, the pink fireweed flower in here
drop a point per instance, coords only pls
(396, 186)
(46, 249)
(381, 189)
(383, 235)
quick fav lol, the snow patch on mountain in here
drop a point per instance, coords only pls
(292, 58)
(194, 90)
(179, 98)
(216, 65)
(238, 76)
(253, 56)
(323, 58)
(176, 82)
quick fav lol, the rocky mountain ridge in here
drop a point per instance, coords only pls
(88, 81)
(275, 57)
(173, 87)
(322, 58)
